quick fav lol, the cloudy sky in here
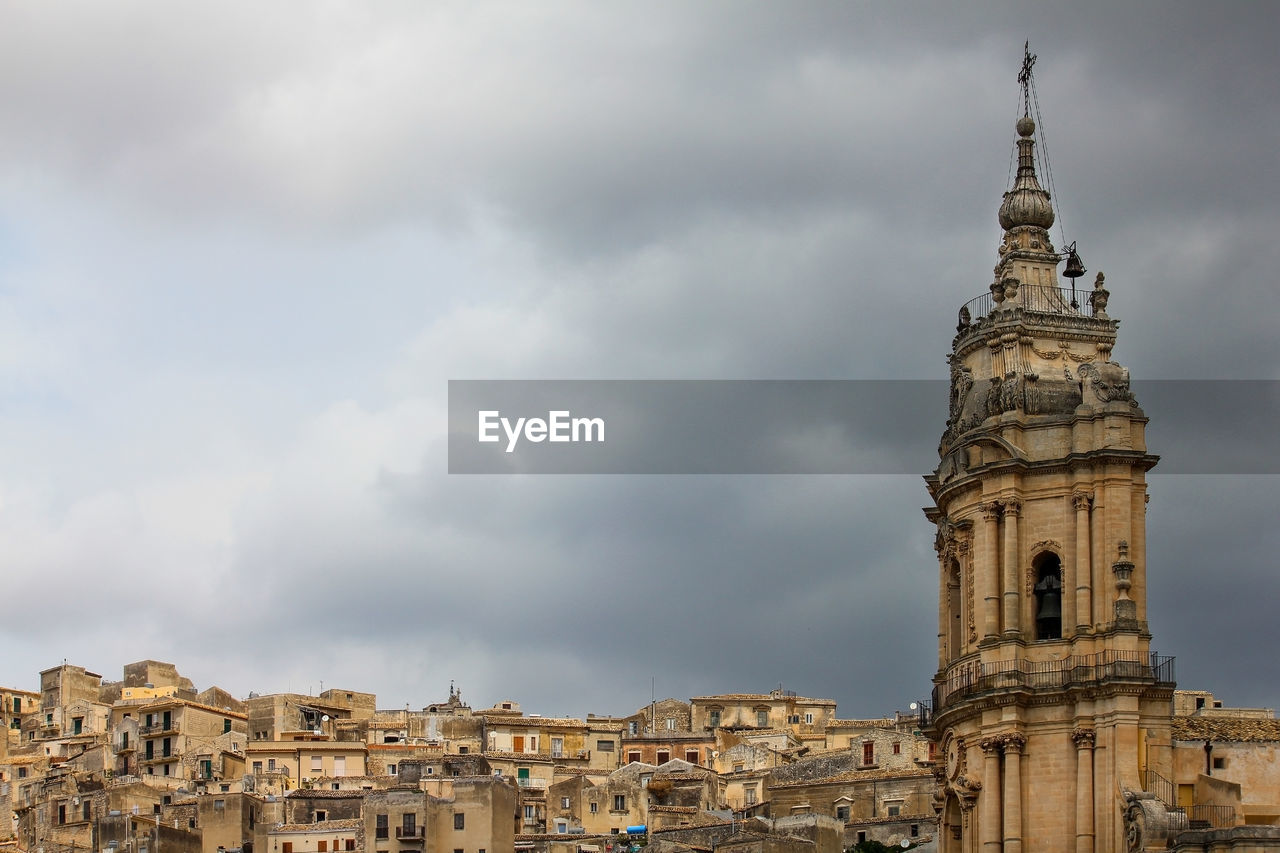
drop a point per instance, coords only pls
(244, 246)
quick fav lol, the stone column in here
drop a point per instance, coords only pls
(1012, 583)
(989, 799)
(1084, 564)
(1084, 739)
(991, 575)
(1013, 744)
(944, 579)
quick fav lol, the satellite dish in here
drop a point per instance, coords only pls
(913, 707)
(325, 717)
(904, 843)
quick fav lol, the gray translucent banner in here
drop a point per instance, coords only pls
(804, 426)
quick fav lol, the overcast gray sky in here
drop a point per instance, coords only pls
(243, 247)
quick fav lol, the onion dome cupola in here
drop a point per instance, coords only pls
(1027, 203)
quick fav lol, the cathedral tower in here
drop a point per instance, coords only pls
(1048, 703)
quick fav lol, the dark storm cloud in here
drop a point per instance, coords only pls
(245, 248)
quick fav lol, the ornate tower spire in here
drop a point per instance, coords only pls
(1043, 648)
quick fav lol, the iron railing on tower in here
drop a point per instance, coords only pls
(968, 678)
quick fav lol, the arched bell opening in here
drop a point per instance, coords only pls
(1048, 591)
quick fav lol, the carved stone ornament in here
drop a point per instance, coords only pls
(1148, 823)
(1052, 545)
(1108, 381)
(955, 756)
(1084, 738)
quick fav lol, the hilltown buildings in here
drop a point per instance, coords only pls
(1052, 727)
(138, 763)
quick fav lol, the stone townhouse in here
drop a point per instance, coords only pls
(470, 815)
(15, 707)
(181, 739)
(1226, 764)
(306, 761)
(292, 716)
(781, 709)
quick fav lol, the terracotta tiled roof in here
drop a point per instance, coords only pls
(540, 722)
(1225, 729)
(762, 697)
(857, 776)
(879, 723)
(531, 757)
(674, 809)
(320, 826)
(324, 794)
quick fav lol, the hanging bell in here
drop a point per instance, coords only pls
(1048, 598)
(1075, 267)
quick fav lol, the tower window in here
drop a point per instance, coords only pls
(1048, 592)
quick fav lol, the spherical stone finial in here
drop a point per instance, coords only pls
(1025, 126)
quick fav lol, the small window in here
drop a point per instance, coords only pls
(619, 802)
(380, 826)
(633, 727)
(459, 820)
(564, 802)
(842, 813)
(895, 810)
(915, 830)
(321, 815)
(897, 748)
(317, 763)
(713, 719)
(671, 724)
(633, 756)
(463, 750)
(762, 719)
(226, 725)
(1219, 764)
(664, 755)
(808, 718)
(691, 756)
(604, 745)
(286, 847)
(322, 846)
(350, 844)
(868, 752)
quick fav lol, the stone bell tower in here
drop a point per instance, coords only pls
(1048, 703)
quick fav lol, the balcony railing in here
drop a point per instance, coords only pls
(525, 782)
(969, 678)
(1201, 816)
(409, 832)
(1043, 299)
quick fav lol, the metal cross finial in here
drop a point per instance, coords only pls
(1024, 77)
